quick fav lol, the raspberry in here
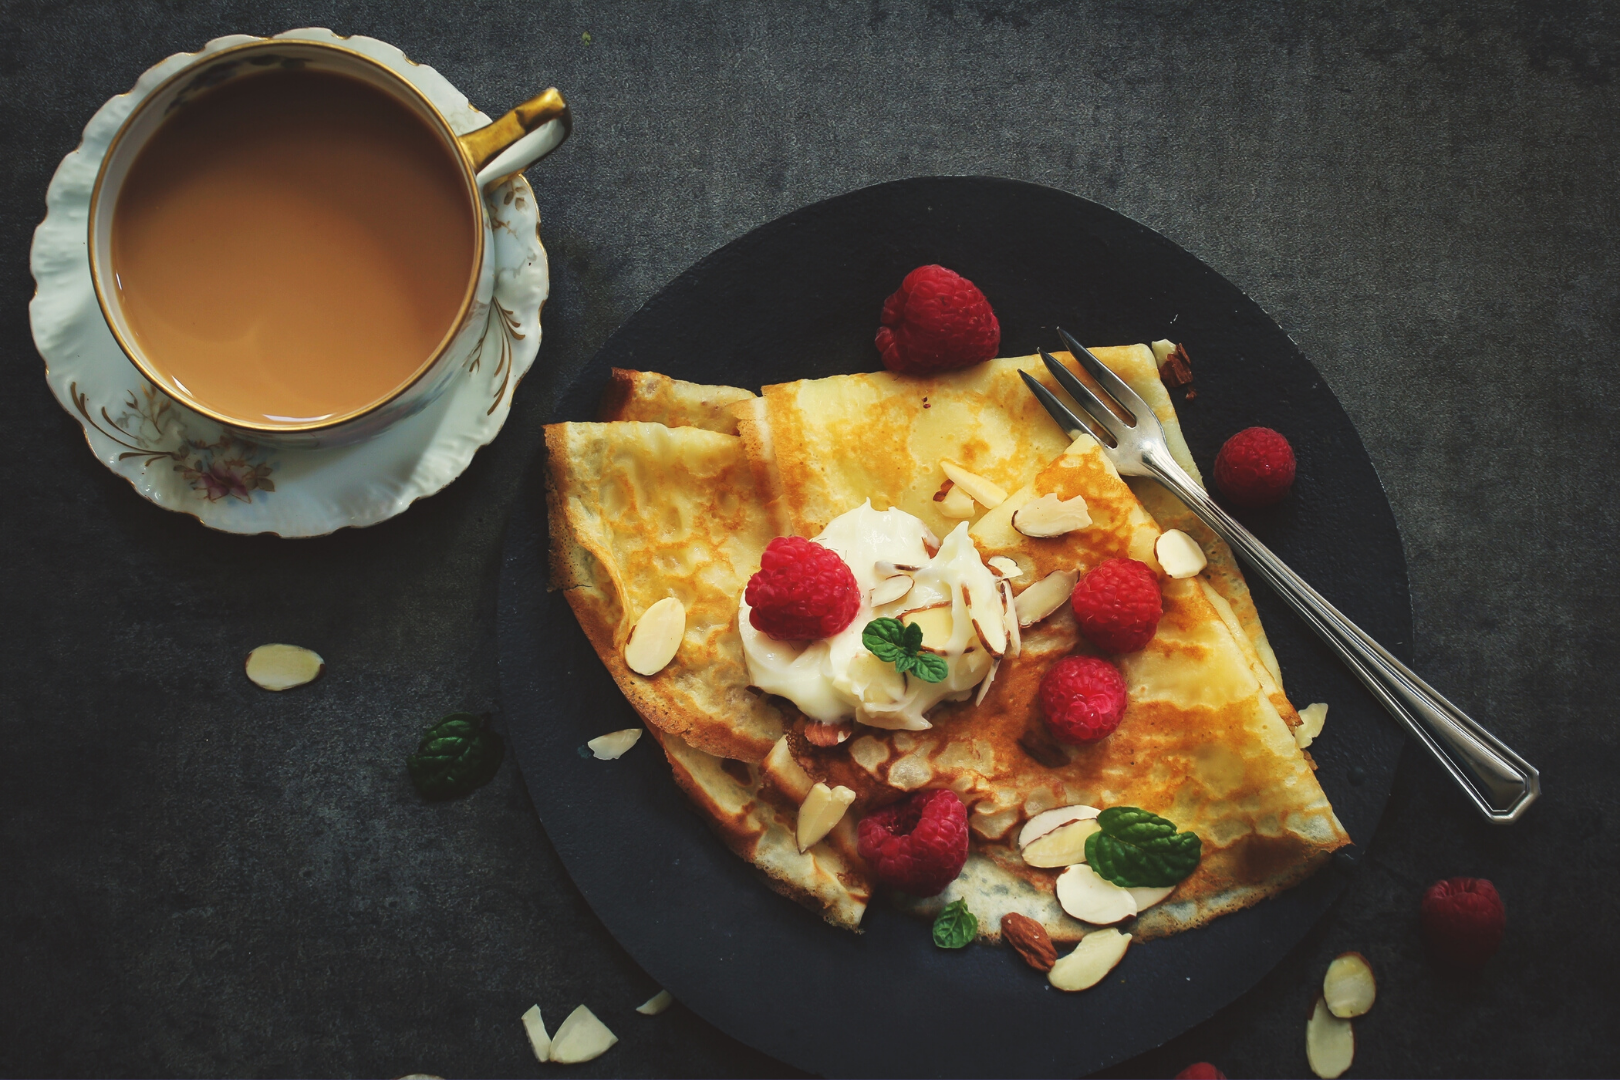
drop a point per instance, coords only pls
(1463, 920)
(1200, 1070)
(1083, 698)
(1255, 467)
(802, 591)
(938, 320)
(917, 846)
(1118, 605)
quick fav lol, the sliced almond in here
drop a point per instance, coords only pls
(614, 744)
(1051, 516)
(282, 667)
(957, 504)
(1003, 566)
(538, 1039)
(1045, 596)
(783, 771)
(986, 493)
(1009, 618)
(989, 620)
(1146, 897)
(1330, 1042)
(656, 637)
(1091, 960)
(1349, 987)
(891, 589)
(937, 624)
(1179, 554)
(822, 809)
(1311, 719)
(984, 686)
(656, 1004)
(1047, 820)
(883, 568)
(581, 1037)
(1092, 898)
(1063, 846)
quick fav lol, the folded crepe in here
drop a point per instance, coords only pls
(641, 510)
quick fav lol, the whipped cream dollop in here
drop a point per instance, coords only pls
(834, 679)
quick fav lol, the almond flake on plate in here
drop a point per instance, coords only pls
(614, 744)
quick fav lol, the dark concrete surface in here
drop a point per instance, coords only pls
(204, 879)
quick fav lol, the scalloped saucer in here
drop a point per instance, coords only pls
(184, 462)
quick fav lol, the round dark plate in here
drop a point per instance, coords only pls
(800, 298)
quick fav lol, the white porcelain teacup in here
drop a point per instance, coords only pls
(248, 296)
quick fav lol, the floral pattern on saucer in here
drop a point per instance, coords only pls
(182, 461)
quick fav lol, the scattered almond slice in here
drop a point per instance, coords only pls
(822, 809)
(614, 744)
(989, 617)
(1090, 962)
(1063, 846)
(1009, 617)
(282, 667)
(784, 772)
(984, 686)
(986, 493)
(891, 589)
(1349, 987)
(582, 1037)
(656, 637)
(883, 568)
(1179, 554)
(1146, 897)
(937, 624)
(1044, 597)
(1091, 898)
(538, 1039)
(656, 1004)
(1051, 516)
(1311, 719)
(1047, 820)
(1330, 1042)
(1004, 566)
(957, 504)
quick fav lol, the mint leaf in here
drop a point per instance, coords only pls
(930, 667)
(1136, 849)
(457, 755)
(955, 926)
(913, 640)
(886, 639)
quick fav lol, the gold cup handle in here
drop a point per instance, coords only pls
(519, 139)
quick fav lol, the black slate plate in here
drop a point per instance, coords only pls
(798, 298)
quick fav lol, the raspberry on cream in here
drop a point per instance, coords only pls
(836, 678)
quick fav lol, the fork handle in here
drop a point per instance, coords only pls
(1500, 782)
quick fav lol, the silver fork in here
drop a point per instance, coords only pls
(1500, 782)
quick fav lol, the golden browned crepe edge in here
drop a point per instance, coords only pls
(823, 878)
(659, 399)
(574, 569)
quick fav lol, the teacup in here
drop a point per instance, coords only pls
(289, 238)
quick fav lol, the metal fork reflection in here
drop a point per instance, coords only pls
(1500, 782)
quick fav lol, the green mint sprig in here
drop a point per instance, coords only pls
(955, 926)
(457, 755)
(1136, 849)
(893, 642)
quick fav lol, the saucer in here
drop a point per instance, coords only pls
(185, 462)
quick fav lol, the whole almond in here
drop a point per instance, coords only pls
(1031, 940)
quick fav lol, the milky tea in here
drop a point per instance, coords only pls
(293, 246)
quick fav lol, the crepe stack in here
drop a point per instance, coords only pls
(660, 499)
